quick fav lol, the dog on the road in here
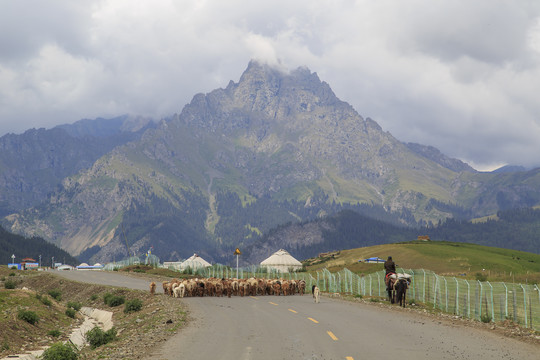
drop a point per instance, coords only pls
(316, 294)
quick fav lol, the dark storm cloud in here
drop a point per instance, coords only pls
(459, 75)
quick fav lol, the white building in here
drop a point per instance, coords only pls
(282, 261)
(195, 262)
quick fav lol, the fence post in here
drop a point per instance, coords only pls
(468, 299)
(351, 277)
(492, 310)
(505, 301)
(424, 288)
(457, 296)
(435, 292)
(379, 283)
(446, 293)
(514, 296)
(480, 300)
(525, 305)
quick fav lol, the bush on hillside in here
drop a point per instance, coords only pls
(133, 305)
(74, 305)
(55, 294)
(113, 300)
(97, 337)
(54, 333)
(71, 312)
(28, 316)
(60, 351)
(44, 300)
(481, 277)
(10, 284)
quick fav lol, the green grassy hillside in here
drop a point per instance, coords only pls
(444, 258)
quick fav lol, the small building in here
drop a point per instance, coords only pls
(29, 263)
(195, 262)
(65, 267)
(373, 260)
(281, 261)
(85, 266)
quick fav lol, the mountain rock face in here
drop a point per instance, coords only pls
(34, 164)
(272, 149)
(434, 154)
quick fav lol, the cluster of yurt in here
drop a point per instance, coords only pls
(85, 266)
(281, 261)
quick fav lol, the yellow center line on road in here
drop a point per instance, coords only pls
(349, 358)
(291, 310)
(253, 297)
(315, 321)
(331, 334)
(272, 303)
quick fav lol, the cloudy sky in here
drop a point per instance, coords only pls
(463, 76)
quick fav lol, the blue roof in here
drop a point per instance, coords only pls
(373, 259)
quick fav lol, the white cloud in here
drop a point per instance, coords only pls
(459, 75)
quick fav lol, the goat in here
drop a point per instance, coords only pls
(316, 294)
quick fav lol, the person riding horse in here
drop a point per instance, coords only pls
(390, 268)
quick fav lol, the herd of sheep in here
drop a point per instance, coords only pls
(230, 287)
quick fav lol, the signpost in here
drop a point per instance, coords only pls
(237, 253)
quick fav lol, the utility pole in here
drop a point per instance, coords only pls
(40, 261)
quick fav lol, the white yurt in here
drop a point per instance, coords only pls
(282, 261)
(195, 262)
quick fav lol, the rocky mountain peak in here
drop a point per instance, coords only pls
(263, 96)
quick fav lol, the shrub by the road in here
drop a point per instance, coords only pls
(97, 337)
(60, 351)
(113, 300)
(133, 305)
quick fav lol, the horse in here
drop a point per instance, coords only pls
(390, 280)
(400, 291)
(397, 285)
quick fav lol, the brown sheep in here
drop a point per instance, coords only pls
(301, 287)
(165, 287)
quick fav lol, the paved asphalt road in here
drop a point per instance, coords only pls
(293, 327)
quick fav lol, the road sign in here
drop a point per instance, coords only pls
(237, 252)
